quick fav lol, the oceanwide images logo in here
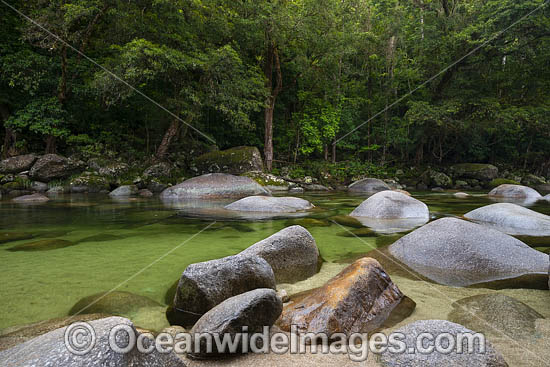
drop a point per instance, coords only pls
(81, 338)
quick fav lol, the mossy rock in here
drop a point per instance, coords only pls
(117, 303)
(479, 171)
(235, 161)
(308, 222)
(14, 236)
(19, 183)
(266, 179)
(502, 181)
(43, 245)
(347, 221)
(89, 183)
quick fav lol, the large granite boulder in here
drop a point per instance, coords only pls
(480, 356)
(357, 300)
(34, 198)
(50, 349)
(254, 310)
(270, 204)
(124, 191)
(391, 205)
(515, 192)
(214, 186)
(495, 314)
(52, 167)
(512, 219)
(17, 164)
(455, 252)
(292, 254)
(203, 286)
(369, 185)
(235, 160)
(478, 171)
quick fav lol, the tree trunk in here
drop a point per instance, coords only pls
(272, 60)
(334, 151)
(171, 133)
(8, 149)
(50, 144)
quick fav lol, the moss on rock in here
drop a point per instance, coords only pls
(235, 161)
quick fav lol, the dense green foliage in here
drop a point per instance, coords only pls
(324, 66)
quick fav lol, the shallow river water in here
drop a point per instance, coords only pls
(142, 246)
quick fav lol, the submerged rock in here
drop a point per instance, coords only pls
(112, 303)
(254, 309)
(480, 356)
(346, 220)
(495, 314)
(461, 195)
(52, 166)
(43, 245)
(455, 252)
(50, 349)
(203, 286)
(512, 219)
(357, 300)
(478, 171)
(17, 164)
(392, 205)
(214, 186)
(292, 254)
(34, 198)
(270, 204)
(14, 236)
(368, 185)
(124, 191)
(235, 160)
(514, 192)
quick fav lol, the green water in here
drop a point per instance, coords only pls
(142, 246)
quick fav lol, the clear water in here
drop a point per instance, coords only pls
(148, 243)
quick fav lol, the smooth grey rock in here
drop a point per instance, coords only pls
(270, 204)
(512, 219)
(515, 192)
(203, 286)
(124, 191)
(455, 252)
(296, 190)
(52, 166)
(292, 254)
(315, 187)
(461, 195)
(478, 171)
(477, 357)
(369, 185)
(214, 186)
(17, 164)
(495, 314)
(34, 198)
(392, 205)
(56, 190)
(49, 350)
(254, 309)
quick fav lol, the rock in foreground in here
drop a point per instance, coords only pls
(203, 286)
(455, 252)
(514, 192)
(214, 186)
(291, 252)
(255, 310)
(50, 350)
(512, 219)
(392, 205)
(357, 300)
(488, 357)
(368, 185)
(270, 204)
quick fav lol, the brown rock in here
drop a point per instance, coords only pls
(359, 299)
